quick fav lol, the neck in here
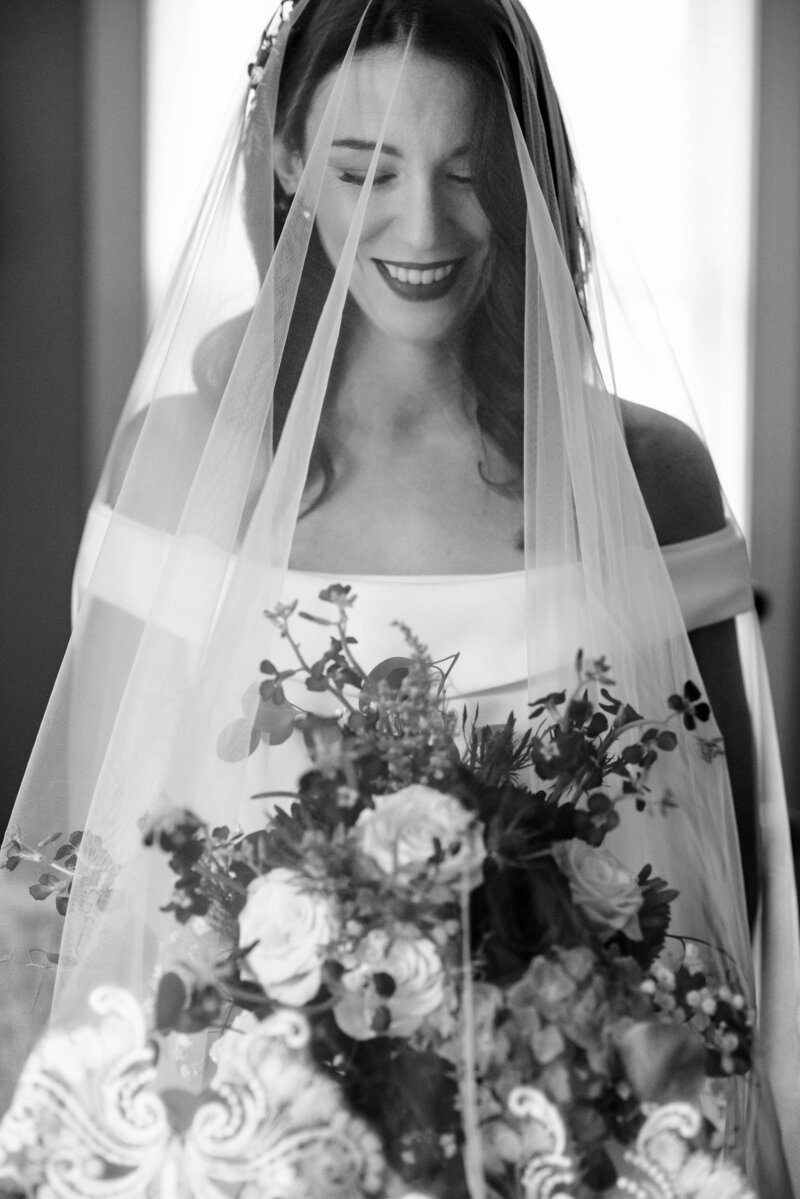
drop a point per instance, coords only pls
(396, 388)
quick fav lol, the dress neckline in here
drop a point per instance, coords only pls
(122, 561)
(726, 536)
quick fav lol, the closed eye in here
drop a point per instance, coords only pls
(358, 178)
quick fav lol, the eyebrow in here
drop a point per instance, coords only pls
(357, 143)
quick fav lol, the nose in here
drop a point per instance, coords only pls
(421, 216)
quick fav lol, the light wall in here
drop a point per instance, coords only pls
(197, 53)
(659, 98)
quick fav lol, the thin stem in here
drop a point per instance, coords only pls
(615, 733)
(329, 686)
(32, 855)
(295, 646)
(346, 650)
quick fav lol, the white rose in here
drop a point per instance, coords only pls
(415, 968)
(403, 829)
(602, 887)
(292, 927)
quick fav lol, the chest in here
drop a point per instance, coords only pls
(411, 514)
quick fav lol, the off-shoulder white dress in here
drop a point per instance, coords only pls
(450, 613)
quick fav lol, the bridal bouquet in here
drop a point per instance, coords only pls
(421, 976)
(450, 935)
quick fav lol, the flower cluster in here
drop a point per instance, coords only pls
(719, 1013)
(452, 934)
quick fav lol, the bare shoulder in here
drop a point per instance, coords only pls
(176, 429)
(675, 473)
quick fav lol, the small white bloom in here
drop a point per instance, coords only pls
(664, 976)
(291, 925)
(692, 958)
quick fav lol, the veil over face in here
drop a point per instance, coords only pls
(423, 201)
(398, 185)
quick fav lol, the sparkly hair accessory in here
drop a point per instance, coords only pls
(256, 68)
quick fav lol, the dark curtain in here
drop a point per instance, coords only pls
(40, 359)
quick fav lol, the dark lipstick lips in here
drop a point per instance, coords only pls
(421, 292)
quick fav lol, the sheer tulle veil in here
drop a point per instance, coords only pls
(224, 444)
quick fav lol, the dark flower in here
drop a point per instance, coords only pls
(186, 1009)
(522, 824)
(691, 706)
(547, 703)
(654, 917)
(527, 911)
(410, 1095)
(179, 833)
(339, 594)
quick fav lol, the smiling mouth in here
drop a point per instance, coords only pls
(417, 282)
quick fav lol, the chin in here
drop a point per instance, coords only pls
(418, 324)
(418, 334)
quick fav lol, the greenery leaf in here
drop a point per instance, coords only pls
(237, 740)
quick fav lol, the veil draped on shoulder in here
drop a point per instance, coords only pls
(226, 444)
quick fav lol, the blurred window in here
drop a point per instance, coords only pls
(660, 99)
(196, 58)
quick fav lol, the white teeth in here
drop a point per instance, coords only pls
(418, 277)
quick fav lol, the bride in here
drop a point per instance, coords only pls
(375, 365)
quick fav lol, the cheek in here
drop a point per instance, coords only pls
(476, 224)
(334, 216)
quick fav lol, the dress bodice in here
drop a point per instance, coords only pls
(479, 616)
(710, 574)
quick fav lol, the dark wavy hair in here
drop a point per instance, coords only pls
(495, 43)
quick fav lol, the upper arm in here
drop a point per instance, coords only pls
(675, 474)
(173, 432)
(681, 491)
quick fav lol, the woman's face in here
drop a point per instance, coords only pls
(420, 264)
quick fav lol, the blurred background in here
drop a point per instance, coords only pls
(686, 113)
